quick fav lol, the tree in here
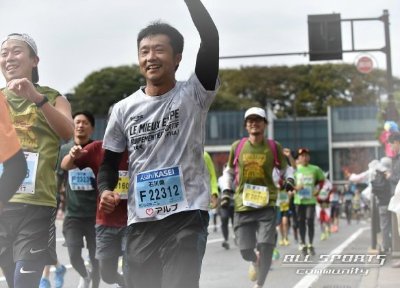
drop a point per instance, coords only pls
(305, 89)
(102, 88)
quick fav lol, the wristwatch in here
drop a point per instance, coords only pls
(41, 103)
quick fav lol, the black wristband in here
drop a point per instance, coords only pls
(41, 103)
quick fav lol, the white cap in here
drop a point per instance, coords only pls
(386, 163)
(24, 38)
(373, 164)
(255, 111)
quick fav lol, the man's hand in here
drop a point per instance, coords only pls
(316, 191)
(287, 152)
(76, 152)
(226, 198)
(289, 185)
(214, 201)
(108, 201)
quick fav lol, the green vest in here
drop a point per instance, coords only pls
(36, 136)
(256, 163)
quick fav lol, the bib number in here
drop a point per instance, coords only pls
(81, 179)
(160, 192)
(335, 197)
(28, 185)
(255, 196)
(348, 197)
(283, 197)
(123, 184)
(323, 194)
(305, 193)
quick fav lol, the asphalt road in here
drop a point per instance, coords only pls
(226, 269)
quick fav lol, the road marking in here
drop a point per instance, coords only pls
(308, 280)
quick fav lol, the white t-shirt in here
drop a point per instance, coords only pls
(163, 132)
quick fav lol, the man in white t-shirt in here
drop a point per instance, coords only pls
(162, 125)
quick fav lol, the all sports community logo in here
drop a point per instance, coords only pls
(334, 264)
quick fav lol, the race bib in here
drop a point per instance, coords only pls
(335, 197)
(255, 196)
(123, 184)
(305, 193)
(348, 197)
(81, 179)
(323, 194)
(160, 192)
(308, 185)
(283, 197)
(28, 185)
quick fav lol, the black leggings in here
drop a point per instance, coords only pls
(226, 214)
(265, 251)
(75, 256)
(305, 216)
(109, 271)
(17, 279)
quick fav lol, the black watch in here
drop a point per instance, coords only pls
(41, 103)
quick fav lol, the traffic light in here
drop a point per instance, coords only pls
(324, 37)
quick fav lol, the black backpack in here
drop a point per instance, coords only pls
(380, 184)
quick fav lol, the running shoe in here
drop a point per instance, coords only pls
(324, 236)
(225, 244)
(311, 250)
(253, 271)
(304, 250)
(281, 242)
(44, 283)
(275, 254)
(286, 242)
(59, 276)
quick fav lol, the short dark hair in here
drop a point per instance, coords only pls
(87, 114)
(394, 136)
(157, 28)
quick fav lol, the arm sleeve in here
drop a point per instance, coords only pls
(211, 171)
(207, 62)
(107, 178)
(14, 173)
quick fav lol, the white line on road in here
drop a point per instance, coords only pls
(308, 280)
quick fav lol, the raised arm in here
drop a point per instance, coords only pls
(58, 116)
(207, 63)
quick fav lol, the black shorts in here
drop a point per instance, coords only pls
(166, 252)
(75, 228)
(110, 241)
(27, 232)
(255, 227)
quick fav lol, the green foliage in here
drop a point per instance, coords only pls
(102, 88)
(304, 90)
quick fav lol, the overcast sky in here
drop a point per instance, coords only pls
(78, 37)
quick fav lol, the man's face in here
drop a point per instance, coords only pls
(255, 125)
(83, 127)
(156, 59)
(304, 159)
(16, 61)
